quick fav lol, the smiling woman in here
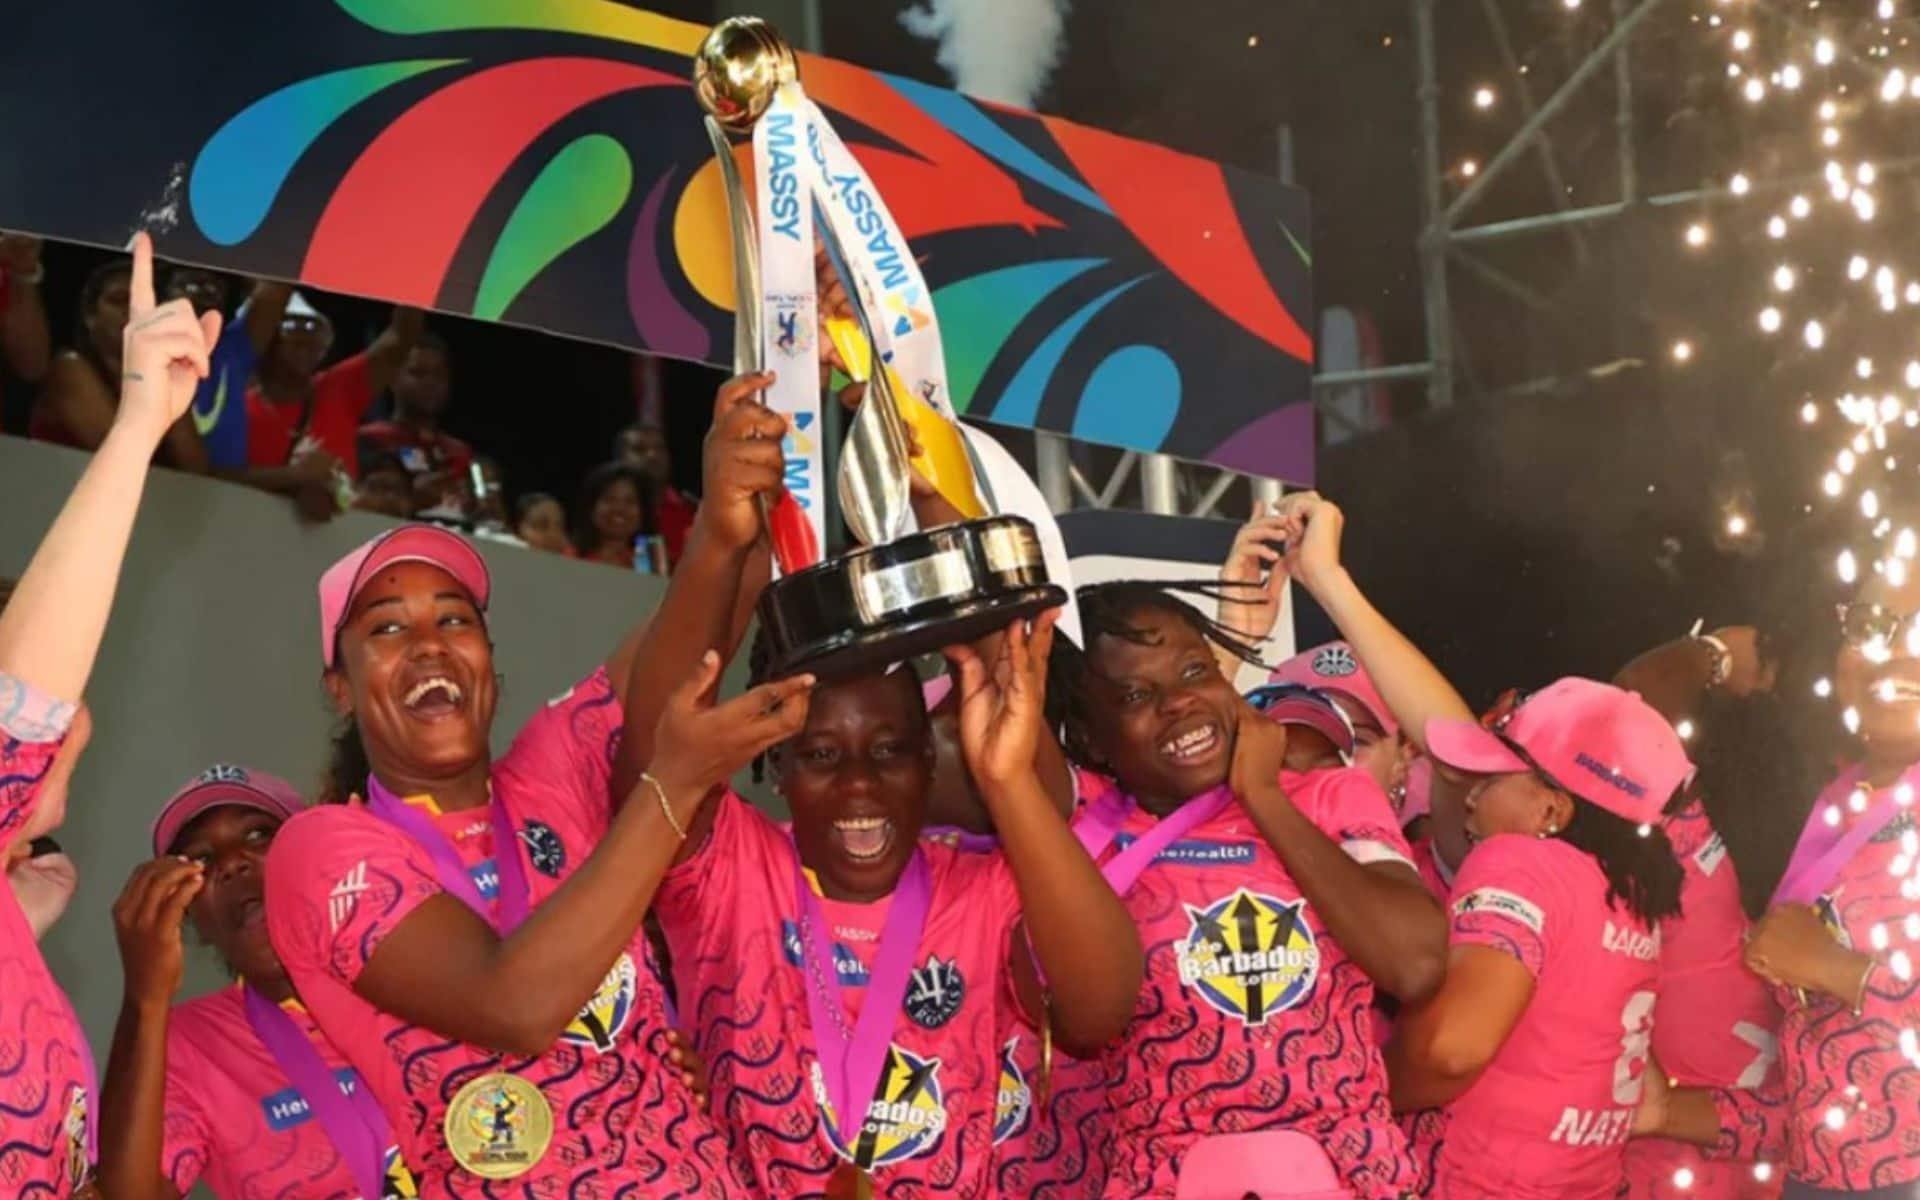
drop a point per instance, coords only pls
(222, 1089)
(469, 930)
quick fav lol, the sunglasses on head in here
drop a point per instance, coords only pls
(1495, 721)
(1267, 695)
(1863, 623)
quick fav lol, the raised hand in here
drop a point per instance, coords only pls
(1259, 751)
(44, 885)
(147, 922)
(165, 351)
(1001, 703)
(741, 461)
(699, 744)
(1253, 606)
(1312, 527)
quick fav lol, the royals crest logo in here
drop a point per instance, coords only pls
(1250, 955)
(1335, 662)
(905, 1118)
(397, 1180)
(74, 1130)
(599, 1024)
(1013, 1098)
(544, 849)
(935, 992)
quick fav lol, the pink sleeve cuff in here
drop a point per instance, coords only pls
(28, 714)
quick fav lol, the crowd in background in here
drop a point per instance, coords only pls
(288, 409)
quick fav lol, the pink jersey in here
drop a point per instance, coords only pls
(1057, 1149)
(1252, 1017)
(1846, 1104)
(46, 1080)
(1433, 872)
(1714, 1021)
(731, 921)
(1549, 1117)
(236, 1123)
(339, 880)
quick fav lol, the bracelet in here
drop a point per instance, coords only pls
(660, 793)
(1717, 650)
(1860, 993)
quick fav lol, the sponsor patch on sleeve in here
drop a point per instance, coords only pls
(1709, 856)
(1367, 851)
(1501, 903)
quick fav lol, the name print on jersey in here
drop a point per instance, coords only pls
(1249, 955)
(905, 1118)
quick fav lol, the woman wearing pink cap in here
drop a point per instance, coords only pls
(1839, 944)
(470, 933)
(237, 1089)
(49, 633)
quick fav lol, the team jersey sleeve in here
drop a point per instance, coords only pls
(1506, 898)
(1753, 1121)
(186, 1138)
(33, 725)
(565, 752)
(697, 895)
(1350, 808)
(339, 880)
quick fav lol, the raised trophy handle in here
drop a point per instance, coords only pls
(794, 546)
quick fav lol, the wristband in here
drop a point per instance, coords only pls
(660, 793)
(1860, 993)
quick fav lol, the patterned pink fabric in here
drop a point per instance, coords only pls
(1549, 1117)
(1846, 1107)
(731, 923)
(1714, 1024)
(44, 1088)
(339, 881)
(235, 1122)
(1252, 1016)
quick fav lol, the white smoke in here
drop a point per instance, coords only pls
(999, 50)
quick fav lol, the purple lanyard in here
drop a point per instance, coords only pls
(1824, 849)
(353, 1120)
(851, 1063)
(510, 907)
(961, 839)
(1100, 823)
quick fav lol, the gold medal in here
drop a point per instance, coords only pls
(849, 1182)
(499, 1126)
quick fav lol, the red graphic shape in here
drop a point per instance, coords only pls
(1180, 209)
(945, 183)
(398, 216)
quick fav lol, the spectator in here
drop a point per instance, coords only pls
(541, 522)
(385, 487)
(436, 462)
(297, 407)
(81, 396)
(25, 343)
(219, 407)
(643, 446)
(613, 511)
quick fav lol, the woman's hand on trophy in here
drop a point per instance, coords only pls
(741, 461)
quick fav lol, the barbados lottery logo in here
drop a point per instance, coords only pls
(605, 1015)
(1250, 955)
(75, 1129)
(1013, 1100)
(905, 1118)
(397, 1181)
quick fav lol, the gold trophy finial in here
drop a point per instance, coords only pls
(737, 69)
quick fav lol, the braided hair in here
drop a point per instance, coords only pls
(1108, 610)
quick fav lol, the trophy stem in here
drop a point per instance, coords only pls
(747, 347)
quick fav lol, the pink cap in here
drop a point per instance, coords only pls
(1605, 745)
(1333, 668)
(218, 785)
(407, 543)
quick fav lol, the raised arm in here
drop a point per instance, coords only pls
(1411, 685)
(741, 462)
(26, 343)
(50, 631)
(263, 310)
(1378, 911)
(147, 921)
(1079, 931)
(442, 955)
(389, 350)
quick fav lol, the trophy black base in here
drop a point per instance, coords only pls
(862, 611)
